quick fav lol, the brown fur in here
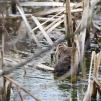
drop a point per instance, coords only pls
(64, 61)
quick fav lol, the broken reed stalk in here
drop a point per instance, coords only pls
(54, 22)
(98, 85)
(48, 20)
(69, 29)
(44, 67)
(83, 25)
(42, 30)
(74, 66)
(7, 90)
(92, 89)
(69, 17)
(87, 96)
(91, 66)
(96, 73)
(55, 10)
(55, 25)
(42, 4)
(14, 82)
(3, 39)
(75, 59)
(6, 84)
(31, 33)
(2, 51)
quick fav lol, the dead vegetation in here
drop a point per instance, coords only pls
(30, 29)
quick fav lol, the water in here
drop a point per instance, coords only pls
(43, 85)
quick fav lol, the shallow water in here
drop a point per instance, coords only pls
(43, 85)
